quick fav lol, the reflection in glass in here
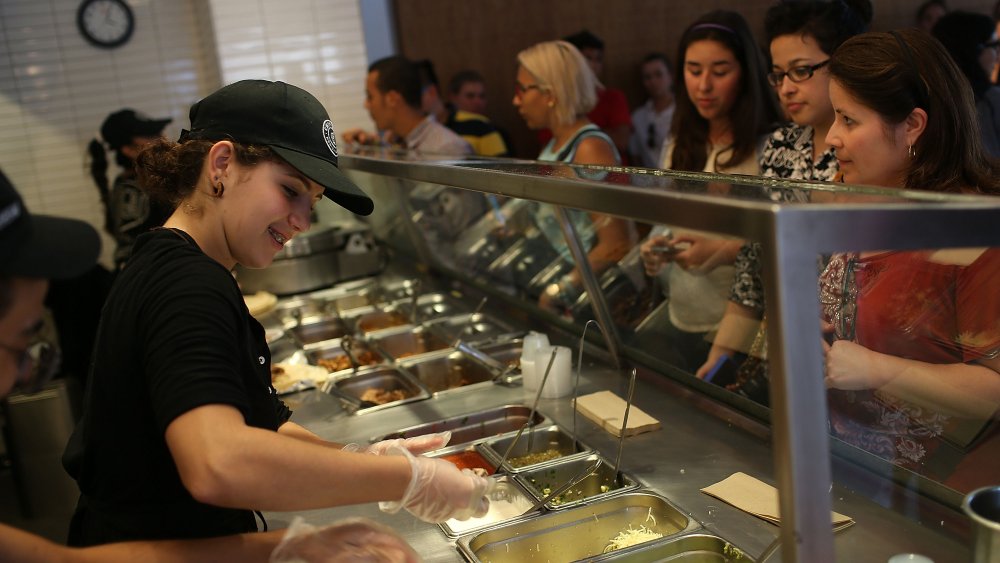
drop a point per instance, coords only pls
(912, 359)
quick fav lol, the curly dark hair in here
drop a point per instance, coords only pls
(168, 171)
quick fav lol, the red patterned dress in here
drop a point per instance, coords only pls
(904, 305)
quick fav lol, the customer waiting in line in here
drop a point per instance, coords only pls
(913, 369)
(610, 111)
(802, 37)
(467, 116)
(182, 434)
(971, 40)
(555, 89)
(393, 100)
(651, 121)
(721, 122)
(35, 249)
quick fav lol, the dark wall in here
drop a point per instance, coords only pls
(486, 35)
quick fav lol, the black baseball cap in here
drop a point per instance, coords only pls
(121, 126)
(40, 246)
(289, 120)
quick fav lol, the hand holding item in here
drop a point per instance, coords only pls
(417, 445)
(361, 137)
(348, 540)
(851, 366)
(700, 255)
(438, 490)
(655, 252)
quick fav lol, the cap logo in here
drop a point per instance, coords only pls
(9, 214)
(328, 136)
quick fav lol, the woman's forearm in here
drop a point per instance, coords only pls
(226, 463)
(965, 390)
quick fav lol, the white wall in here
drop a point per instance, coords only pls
(56, 89)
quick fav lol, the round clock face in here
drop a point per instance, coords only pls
(105, 23)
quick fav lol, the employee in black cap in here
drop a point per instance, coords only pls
(128, 212)
(182, 434)
(36, 249)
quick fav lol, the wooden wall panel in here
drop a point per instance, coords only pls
(486, 35)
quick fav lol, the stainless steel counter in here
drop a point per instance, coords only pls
(693, 449)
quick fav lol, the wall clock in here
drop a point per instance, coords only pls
(105, 23)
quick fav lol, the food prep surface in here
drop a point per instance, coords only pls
(665, 467)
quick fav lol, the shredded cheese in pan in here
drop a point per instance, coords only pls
(631, 536)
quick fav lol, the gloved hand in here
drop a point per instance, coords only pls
(351, 539)
(417, 445)
(438, 490)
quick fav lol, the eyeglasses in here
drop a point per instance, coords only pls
(521, 89)
(36, 365)
(796, 74)
(651, 136)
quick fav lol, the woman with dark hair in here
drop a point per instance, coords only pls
(802, 36)
(128, 211)
(728, 106)
(723, 115)
(182, 434)
(913, 368)
(971, 40)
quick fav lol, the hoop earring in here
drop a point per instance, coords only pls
(218, 189)
(911, 152)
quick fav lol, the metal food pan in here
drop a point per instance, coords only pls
(469, 327)
(433, 306)
(474, 426)
(535, 441)
(501, 511)
(311, 331)
(407, 342)
(600, 484)
(348, 302)
(691, 548)
(577, 534)
(351, 389)
(448, 372)
(366, 355)
(379, 320)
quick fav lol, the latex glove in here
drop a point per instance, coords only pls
(352, 539)
(438, 491)
(416, 445)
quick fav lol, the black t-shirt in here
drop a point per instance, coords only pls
(175, 334)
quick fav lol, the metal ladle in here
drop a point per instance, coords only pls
(414, 310)
(347, 345)
(472, 319)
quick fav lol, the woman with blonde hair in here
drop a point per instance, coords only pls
(555, 88)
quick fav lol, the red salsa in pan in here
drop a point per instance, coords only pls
(469, 460)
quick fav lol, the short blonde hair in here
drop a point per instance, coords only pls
(560, 69)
